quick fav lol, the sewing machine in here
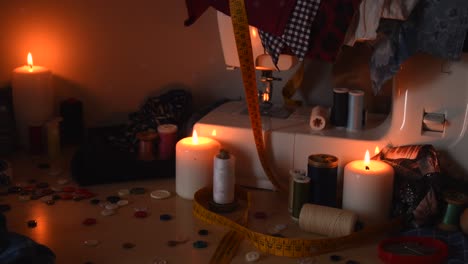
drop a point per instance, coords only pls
(429, 105)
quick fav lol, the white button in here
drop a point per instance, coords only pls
(107, 212)
(124, 192)
(160, 194)
(91, 243)
(111, 206)
(252, 256)
(122, 203)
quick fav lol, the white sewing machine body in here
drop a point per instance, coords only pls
(421, 87)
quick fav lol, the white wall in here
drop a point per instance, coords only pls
(112, 54)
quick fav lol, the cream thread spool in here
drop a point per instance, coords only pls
(329, 221)
(318, 118)
(223, 177)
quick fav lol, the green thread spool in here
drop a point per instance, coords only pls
(301, 194)
(455, 204)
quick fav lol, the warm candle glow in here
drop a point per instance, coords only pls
(194, 137)
(367, 158)
(30, 61)
(254, 32)
(213, 133)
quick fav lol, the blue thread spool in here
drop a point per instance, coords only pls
(322, 169)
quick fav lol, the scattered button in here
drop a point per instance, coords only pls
(165, 217)
(123, 192)
(46, 198)
(160, 194)
(66, 196)
(122, 203)
(50, 202)
(140, 209)
(77, 198)
(42, 185)
(137, 190)
(15, 189)
(128, 245)
(252, 256)
(32, 223)
(260, 215)
(107, 212)
(94, 201)
(47, 191)
(4, 208)
(111, 206)
(89, 221)
(200, 244)
(113, 199)
(140, 214)
(159, 261)
(203, 232)
(91, 243)
(335, 258)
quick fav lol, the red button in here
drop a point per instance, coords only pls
(66, 196)
(140, 214)
(68, 189)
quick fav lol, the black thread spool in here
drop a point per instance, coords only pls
(339, 112)
(322, 169)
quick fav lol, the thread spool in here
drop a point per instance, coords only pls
(339, 112)
(167, 141)
(301, 194)
(322, 169)
(145, 146)
(455, 204)
(329, 221)
(355, 110)
(318, 118)
(293, 173)
(223, 177)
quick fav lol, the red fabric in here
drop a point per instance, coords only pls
(329, 28)
(267, 15)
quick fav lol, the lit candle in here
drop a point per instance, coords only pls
(368, 189)
(194, 164)
(32, 97)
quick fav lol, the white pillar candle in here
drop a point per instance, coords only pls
(368, 189)
(194, 164)
(32, 98)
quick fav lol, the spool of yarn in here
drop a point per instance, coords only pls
(224, 177)
(355, 110)
(167, 141)
(145, 147)
(455, 204)
(318, 118)
(339, 112)
(329, 221)
(293, 173)
(464, 221)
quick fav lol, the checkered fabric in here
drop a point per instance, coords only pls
(296, 34)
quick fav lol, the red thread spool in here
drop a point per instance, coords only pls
(167, 141)
(145, 150)
(36, 144)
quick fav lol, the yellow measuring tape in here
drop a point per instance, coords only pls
(278, 246)
(290, 247)
(244, 50)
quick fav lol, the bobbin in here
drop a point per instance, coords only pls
(145, 149)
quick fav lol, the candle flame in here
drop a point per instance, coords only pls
(30, 61)
(377, 150)
(195, 137)
(213, 133)
(367, 158)
(254, 32)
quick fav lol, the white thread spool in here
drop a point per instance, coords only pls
(223, 177)
(318, 118)
(356, 110)
(329, 221)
